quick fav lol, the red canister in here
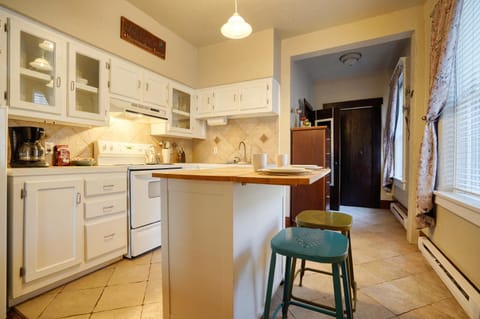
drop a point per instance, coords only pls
(62, 155)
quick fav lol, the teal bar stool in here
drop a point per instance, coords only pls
(322, 246)
(328, 220)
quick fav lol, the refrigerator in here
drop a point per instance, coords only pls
(3, 211)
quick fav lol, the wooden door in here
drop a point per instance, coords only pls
(360, 156)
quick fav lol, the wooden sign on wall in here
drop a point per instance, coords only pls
(142, 38)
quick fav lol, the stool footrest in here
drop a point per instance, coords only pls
(307, 305)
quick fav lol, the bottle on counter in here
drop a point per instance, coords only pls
(62, 155)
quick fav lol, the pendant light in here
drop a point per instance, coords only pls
(236, 27)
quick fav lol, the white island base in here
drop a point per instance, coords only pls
(216, 247)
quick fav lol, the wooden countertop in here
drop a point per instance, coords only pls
(244, 175)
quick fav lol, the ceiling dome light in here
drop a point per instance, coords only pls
(350, 58)
(236, 27)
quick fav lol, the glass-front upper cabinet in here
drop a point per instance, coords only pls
(87, 82)
(181, 116)
(37, 68)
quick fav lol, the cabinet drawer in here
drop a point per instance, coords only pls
(106, 236)
(105, 185)
(105, 206)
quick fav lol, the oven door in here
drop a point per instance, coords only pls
(145, 200)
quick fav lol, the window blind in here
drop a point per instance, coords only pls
(459, 130)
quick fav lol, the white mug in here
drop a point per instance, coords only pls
(259, 161)
(282, 160)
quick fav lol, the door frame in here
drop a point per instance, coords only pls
(376, 103)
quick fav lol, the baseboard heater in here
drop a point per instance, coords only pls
(400, 212)
(465, 293)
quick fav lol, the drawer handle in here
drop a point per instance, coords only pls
(109, 236)
(108, 208)
(108, 187)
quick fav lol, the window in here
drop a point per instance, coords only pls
(459, 127)
(398, 149)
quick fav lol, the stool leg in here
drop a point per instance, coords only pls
(337, 291)
(268, 297)
(292, 278)
(286, 287)
(302, 272)
(346, 290)
(350, 271)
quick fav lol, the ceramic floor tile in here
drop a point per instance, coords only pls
(153, 292)
(445, 309)
(124, 313)
(33, 308)
(72, 303)
(97, 279)
(155, 272)
(153, 311)
(156, 256)
(129, 273)
(119, 296)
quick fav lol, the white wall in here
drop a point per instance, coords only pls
(347, 89)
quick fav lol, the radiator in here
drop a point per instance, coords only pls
(465, 293)
(400, 213)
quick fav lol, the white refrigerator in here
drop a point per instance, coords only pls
(3, 211)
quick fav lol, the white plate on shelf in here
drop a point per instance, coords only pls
(283, 170)
(41, 64)
(47, 45)
(82, 81)
(314, 167)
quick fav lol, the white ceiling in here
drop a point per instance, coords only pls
(199, 21)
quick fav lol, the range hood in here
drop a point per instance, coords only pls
(135, 111)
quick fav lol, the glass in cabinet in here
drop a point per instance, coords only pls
(87, 87)
(181, 102)
(37, 68)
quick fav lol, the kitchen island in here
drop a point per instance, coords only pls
(216, 231)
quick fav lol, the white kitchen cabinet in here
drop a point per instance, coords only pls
(205, 99)
(52, 226)
(244, 99)
(63, 223)
(134, 83)
(39, 85)
(182, 111)
(37, 69)
(87, 83)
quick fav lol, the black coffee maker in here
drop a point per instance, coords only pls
(25, 146)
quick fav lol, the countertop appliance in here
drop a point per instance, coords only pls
(144, 193)
(26, 149)
(3, 211)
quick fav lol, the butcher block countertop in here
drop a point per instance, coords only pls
(244, 175)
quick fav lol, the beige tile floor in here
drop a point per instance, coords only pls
(394, 281)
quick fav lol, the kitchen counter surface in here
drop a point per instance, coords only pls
(57, 170)
(244, 175)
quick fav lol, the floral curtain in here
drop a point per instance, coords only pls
(445, 25)
(390, 127)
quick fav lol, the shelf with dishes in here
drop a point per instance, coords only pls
(35, 74)
(87, 88)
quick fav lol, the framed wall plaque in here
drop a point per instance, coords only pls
(142, 38)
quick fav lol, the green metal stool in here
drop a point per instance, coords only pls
(322, 246)
(327, 220)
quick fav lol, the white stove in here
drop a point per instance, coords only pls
(144, 193)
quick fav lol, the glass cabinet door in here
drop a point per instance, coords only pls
(181, 102)
(37, 68)
(86, 83)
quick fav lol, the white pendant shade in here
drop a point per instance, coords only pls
(236, 27)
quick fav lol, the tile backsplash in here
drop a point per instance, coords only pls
(80, 140)
(222, 142)
(259, 134)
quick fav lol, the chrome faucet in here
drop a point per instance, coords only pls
(244, 150)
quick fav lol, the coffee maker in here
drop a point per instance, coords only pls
(26, 149)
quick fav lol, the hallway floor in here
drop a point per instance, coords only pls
(394, 281)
